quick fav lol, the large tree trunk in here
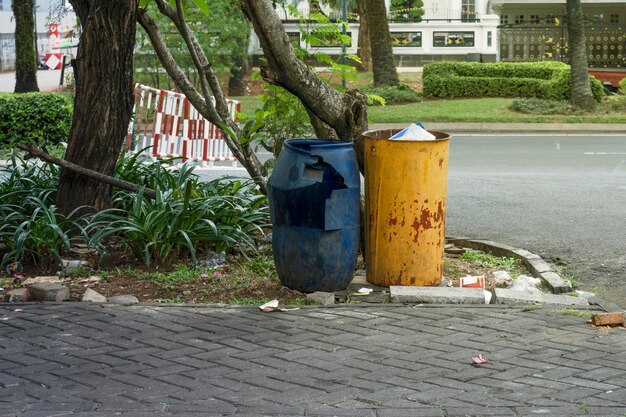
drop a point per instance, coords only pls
(582, 96)
(26, 55)
(364, 48)
(103, 102)
(382, 52)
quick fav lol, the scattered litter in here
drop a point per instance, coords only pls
(615, 318)
(204, 275)
(271, 306)
(501, 278)
(14, 268)
(17, 310)
(1, 289)
(364, 291)
(416, 131)
(488, 296)
(472, 282)
(525, 283)
(480, 359)
(214, 260)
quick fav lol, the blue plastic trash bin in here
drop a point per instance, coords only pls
(314, 208)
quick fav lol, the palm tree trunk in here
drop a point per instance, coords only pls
(582, 96)
(26, 55)
(364, 47)
(382, 52)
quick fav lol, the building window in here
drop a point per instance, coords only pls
(550, 19)
(519, 18)
(453, 39)
(614, 18)
(489, 38)
(406, 39)
(534, 18)
(504, 19)
(468, 10)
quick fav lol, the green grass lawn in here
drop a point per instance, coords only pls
(487, 110)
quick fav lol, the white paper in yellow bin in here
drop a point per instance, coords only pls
(416, 131)
(472, 282)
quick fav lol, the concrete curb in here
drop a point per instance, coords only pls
(537, 266)
(516, 128)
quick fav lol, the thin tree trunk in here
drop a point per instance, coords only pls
(582, 97)
(26, 55)
(364, 48)
(103, 102)
(382, 52)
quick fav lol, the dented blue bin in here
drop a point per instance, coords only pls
(314, 207)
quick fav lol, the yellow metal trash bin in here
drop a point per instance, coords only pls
(405, 208)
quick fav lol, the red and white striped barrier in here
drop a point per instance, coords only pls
(167, 123)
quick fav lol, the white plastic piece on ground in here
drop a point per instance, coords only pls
(488, 296)
(365, 290)
(269, 306)
(525, 283)
(413, 132)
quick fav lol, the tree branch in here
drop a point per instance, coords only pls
(217, 114)
(125, 185)
(286, 70)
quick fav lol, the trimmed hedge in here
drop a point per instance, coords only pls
(39, 118)
(394, 94)
(545, 80)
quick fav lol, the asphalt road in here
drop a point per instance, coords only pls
(560, 196)
(563, 197)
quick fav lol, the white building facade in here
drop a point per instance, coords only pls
(449, 30)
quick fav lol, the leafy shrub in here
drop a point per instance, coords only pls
(546, 80)
(34, 231)
(188, 217)
(394, 94)
(225, 214)
(617, 102)
(285, 117)
(40, 118)
(540, 106)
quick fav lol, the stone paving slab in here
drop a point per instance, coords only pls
(100, 360)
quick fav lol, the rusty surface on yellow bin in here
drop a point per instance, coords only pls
(405, 186)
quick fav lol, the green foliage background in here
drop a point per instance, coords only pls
(406, 10)
(222, 32)
(36, 118)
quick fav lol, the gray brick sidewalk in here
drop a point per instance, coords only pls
(91, 360)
